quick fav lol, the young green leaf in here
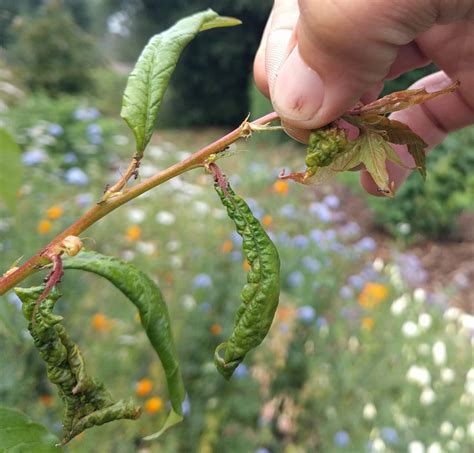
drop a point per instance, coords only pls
(18, 433)
(150, 77)
(146, 296)
(10, 169)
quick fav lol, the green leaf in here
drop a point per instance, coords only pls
(146, 296)
(11, 169)
(150, 77)
(373, 156)
(19, 434)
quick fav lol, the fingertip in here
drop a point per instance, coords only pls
(259, 73)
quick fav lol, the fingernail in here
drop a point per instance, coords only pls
(298, 91)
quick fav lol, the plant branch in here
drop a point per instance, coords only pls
(104, 207)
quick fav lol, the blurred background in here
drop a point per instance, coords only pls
(371, 348)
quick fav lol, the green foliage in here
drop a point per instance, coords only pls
(19, 434)
(11, 169)
(52, 53)
(150, 77)
(431, 209)
(146, 296)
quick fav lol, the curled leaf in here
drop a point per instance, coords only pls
(144, 293)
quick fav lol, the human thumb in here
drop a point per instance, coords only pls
(341, 53)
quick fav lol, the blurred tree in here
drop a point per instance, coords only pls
(51, 52)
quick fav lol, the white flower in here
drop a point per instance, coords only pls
(128, 255)
(369, 412)
(378, 446)
(435, 447)
(410, 329)
(419, 375)
(470, 375)
(452, 314)
(452, 446)
(396, 277)
(188, 302)
(424, 321)
(416, 447)
(353, 344)
(469, 387)
(419, 295)
(459, 434)
(447, 375)
(147, 170)
(173, 246)
(446, 429)
(200, 207)
(467, 322)
(176, 262)
(439, 353)
(155, 151)
(165, 218)
(399, 305)
(470, 430)
(136, 215)
(378, 265)
(427, 397)
(147, 248)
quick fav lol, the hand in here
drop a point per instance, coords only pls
(317, 58)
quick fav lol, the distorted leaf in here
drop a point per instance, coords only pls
(144, 293)
(151, 75)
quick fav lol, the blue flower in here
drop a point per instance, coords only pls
(300, 241)
(70, 158)
(306, 313)
(84, 199)
(356, 281)
(311, 264)
(346, 292)
(14, 300)
(202, 281)
(316, 235)
(76, 176)
(241, 371)
(93, 129)
(236, 256)
(330, 235)
(236, 238)
(321, 322)
(186, 406)
(331, 201)
(389, 435)
(205, 307)
(34, 157)
(342, 438)
(366, 244)
(321, 212)
(55, 130)
(295, 279)
(350, 230)
(288, 210)
(284, 238)
(262, 450)
(86, 114)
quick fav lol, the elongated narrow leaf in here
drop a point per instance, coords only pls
(21, 435)
(146, 296)
(150, 77)
(10, 169)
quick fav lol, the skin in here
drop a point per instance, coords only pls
(317, 58)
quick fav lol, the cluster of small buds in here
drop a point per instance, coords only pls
(324, 145)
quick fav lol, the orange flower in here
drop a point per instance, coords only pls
(280, 187)
(246, 266)
(46, 400)
(227, 246)
(372, 294)
(54, 212)
(216, 329)
(267, 220)
(101, 323)
(285, 313)
(143, 387)
(368, 324)
(44, 226)
(134, 233)
(153, 405)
